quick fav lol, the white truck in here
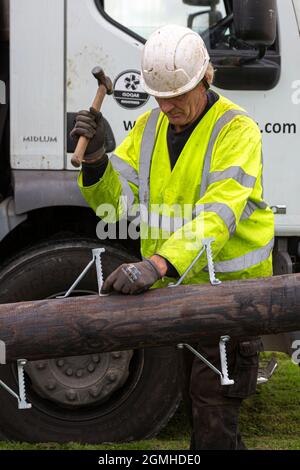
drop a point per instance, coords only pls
(47, 51)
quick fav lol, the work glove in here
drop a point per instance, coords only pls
(132, 278)
(90, 124)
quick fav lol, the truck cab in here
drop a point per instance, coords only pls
(47, 52)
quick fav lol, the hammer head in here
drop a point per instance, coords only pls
(99, 74)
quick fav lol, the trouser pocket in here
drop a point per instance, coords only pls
(245, 369)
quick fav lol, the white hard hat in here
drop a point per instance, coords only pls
(174, 61)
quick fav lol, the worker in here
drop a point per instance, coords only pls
(197, 150)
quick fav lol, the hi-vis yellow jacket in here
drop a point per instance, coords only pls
(214, 191)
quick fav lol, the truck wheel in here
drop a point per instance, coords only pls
(119, 396)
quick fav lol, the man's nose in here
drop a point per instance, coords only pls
(166, 105)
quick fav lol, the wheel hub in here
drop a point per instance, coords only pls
(80, 380)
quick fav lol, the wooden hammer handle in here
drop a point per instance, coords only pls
(83, 142)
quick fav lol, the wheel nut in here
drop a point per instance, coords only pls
(96, 358)
(91, 368)
(79, 373)
(51, 385)
(71, 395)
(93, 392)
(60, 362)
(116, 355)
(111, 376)
(69, 372)
(41, 365)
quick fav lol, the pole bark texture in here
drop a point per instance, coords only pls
(83, 325)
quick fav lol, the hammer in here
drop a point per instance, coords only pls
(104, 87)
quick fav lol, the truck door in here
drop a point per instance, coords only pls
(37, 103)
(94, 38)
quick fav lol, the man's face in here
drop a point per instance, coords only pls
(183, 110)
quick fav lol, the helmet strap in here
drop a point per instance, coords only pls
(206, 84)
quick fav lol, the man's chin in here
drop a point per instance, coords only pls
(176, 120)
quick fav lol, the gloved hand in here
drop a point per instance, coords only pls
(132, 278)
(90, 124)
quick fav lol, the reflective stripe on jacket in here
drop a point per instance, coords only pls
(214, 191)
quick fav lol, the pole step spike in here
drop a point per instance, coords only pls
(97, 252)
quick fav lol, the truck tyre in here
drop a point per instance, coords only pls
(144, 395)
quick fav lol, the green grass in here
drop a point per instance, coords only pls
(269, 420)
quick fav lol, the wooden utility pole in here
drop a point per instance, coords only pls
(82, 325)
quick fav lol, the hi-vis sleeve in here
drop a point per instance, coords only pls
(118, 188)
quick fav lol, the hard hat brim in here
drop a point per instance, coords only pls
(172, 93)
